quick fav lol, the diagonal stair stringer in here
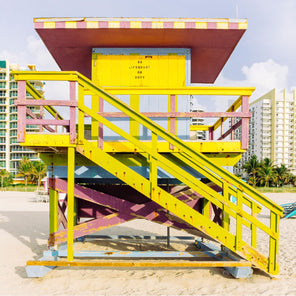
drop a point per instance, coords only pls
(171, 203)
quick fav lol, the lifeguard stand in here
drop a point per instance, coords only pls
(124, 151)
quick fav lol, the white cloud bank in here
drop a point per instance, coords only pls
(263, 75)
(34, 52)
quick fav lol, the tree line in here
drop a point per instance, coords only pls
(31, 171)
(265, 173)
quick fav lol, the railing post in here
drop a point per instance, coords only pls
(211, 133)
(21, 111)
(239, 221)
(80, 114)
(273, 243)
(134, 125)
(53, 210)
(153, 166)
(72, 113)
(40, 117)
(71, 201)
(232, 124)
(225, 216)
(101, 126)
(245, 123)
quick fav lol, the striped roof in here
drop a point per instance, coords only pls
(211, 41)
(136, 23)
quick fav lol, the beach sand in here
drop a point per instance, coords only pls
(23, 236)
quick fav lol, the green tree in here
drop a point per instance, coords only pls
(38, 171)
(4, 174)
(282, 175)
(25, 169)
(266, 172)
(252, 167)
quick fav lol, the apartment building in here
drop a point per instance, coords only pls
(272, 132)
(10, 151)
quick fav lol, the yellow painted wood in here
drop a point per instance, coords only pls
(94, 123)
(189, 156)
(188, 90)
(134, 125)
(140, 263)
(47, 140)
(239, 224)
(253, 227)
(71, 207)
(162, 146)
(200, 127)
(138, 70)
(273, 244)
(225, 214)
(53, 211)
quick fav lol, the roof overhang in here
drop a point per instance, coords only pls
(70, 40)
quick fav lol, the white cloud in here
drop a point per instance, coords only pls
(34, 52)
(263, 75)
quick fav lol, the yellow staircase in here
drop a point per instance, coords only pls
(240, 203)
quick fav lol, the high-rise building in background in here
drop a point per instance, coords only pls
(272, 132)
(10, 151)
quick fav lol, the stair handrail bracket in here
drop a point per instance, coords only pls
(230, 186)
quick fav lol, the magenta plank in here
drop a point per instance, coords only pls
(48, 122)
(46, 103)
(149, 211)
(230, 131)
(173, 115)
(89, 227)
(72, 127)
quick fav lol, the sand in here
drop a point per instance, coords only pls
(23, 236)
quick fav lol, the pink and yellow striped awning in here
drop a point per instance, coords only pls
(70, 40)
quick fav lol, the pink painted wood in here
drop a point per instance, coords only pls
(48, 122)
(72, 113)
(232, 124)
(101, 127)
(34, 116)
(21, 112)
(149, 211)
(245, 124)
(173, 115)
(230, 131)
(46, 103)
(211, 133)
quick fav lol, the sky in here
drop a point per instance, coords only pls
(264, 57)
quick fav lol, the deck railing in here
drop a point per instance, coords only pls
(238, 113)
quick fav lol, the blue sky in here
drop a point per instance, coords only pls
(265, 56)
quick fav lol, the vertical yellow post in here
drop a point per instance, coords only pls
(239, 221)
(94, 123)
(70, 222)
(225, 216)
(253, 227)
(53, 211)
(134, 126)
(153, 167)
(273, 243)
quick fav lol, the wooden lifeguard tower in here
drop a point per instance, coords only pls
(123, 151)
